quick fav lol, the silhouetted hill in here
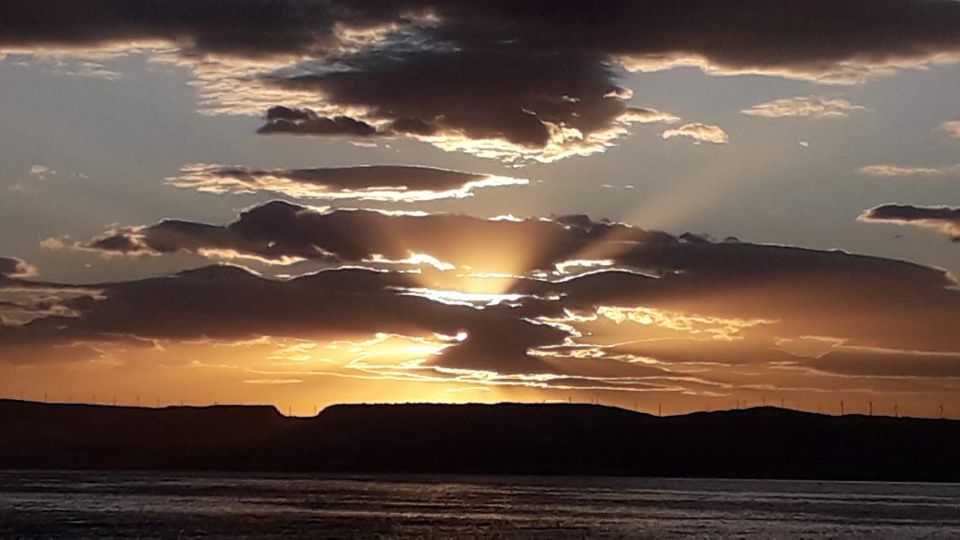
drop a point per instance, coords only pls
(485, 439)
(94, 436)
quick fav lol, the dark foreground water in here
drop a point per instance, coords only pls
(152, 505)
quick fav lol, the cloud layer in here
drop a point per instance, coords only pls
(283, 233)
(500, 80)
(372, 183)
(646, 312)
(623, 265)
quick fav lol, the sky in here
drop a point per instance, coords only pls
(672, 206)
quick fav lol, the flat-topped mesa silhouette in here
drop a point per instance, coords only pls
(565, 439)
(99, 436)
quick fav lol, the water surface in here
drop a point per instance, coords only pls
(170, 505)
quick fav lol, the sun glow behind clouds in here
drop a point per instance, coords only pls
(460, 298)
(565, 266)
(415, 259)
(394, 351)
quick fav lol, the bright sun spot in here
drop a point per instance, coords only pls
(462, 335)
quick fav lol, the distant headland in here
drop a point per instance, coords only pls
(507, 438)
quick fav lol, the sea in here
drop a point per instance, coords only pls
(44, 504)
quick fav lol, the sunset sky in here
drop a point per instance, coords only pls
(686, 204)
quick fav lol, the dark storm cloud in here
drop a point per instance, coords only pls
(527, 79)
(373, 182)
(520, 72)
(493, 93)
(680, 301)
(229, 303)
(736, 33)
(740, 33)
(800, 292)
(282, 232)
(243, 28)
(942, 218)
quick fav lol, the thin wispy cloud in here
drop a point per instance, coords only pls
(890, 170)
(803, 107)
(392, 183)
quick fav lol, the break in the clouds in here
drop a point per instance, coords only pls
(803, 107)
(538, 80)
(890, 170)
(372, 183)
(699, 133)
(941, 218)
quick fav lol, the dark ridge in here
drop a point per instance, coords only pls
(96, 436)
(563, 439)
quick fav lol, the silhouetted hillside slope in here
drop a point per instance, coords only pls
(489, 439)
